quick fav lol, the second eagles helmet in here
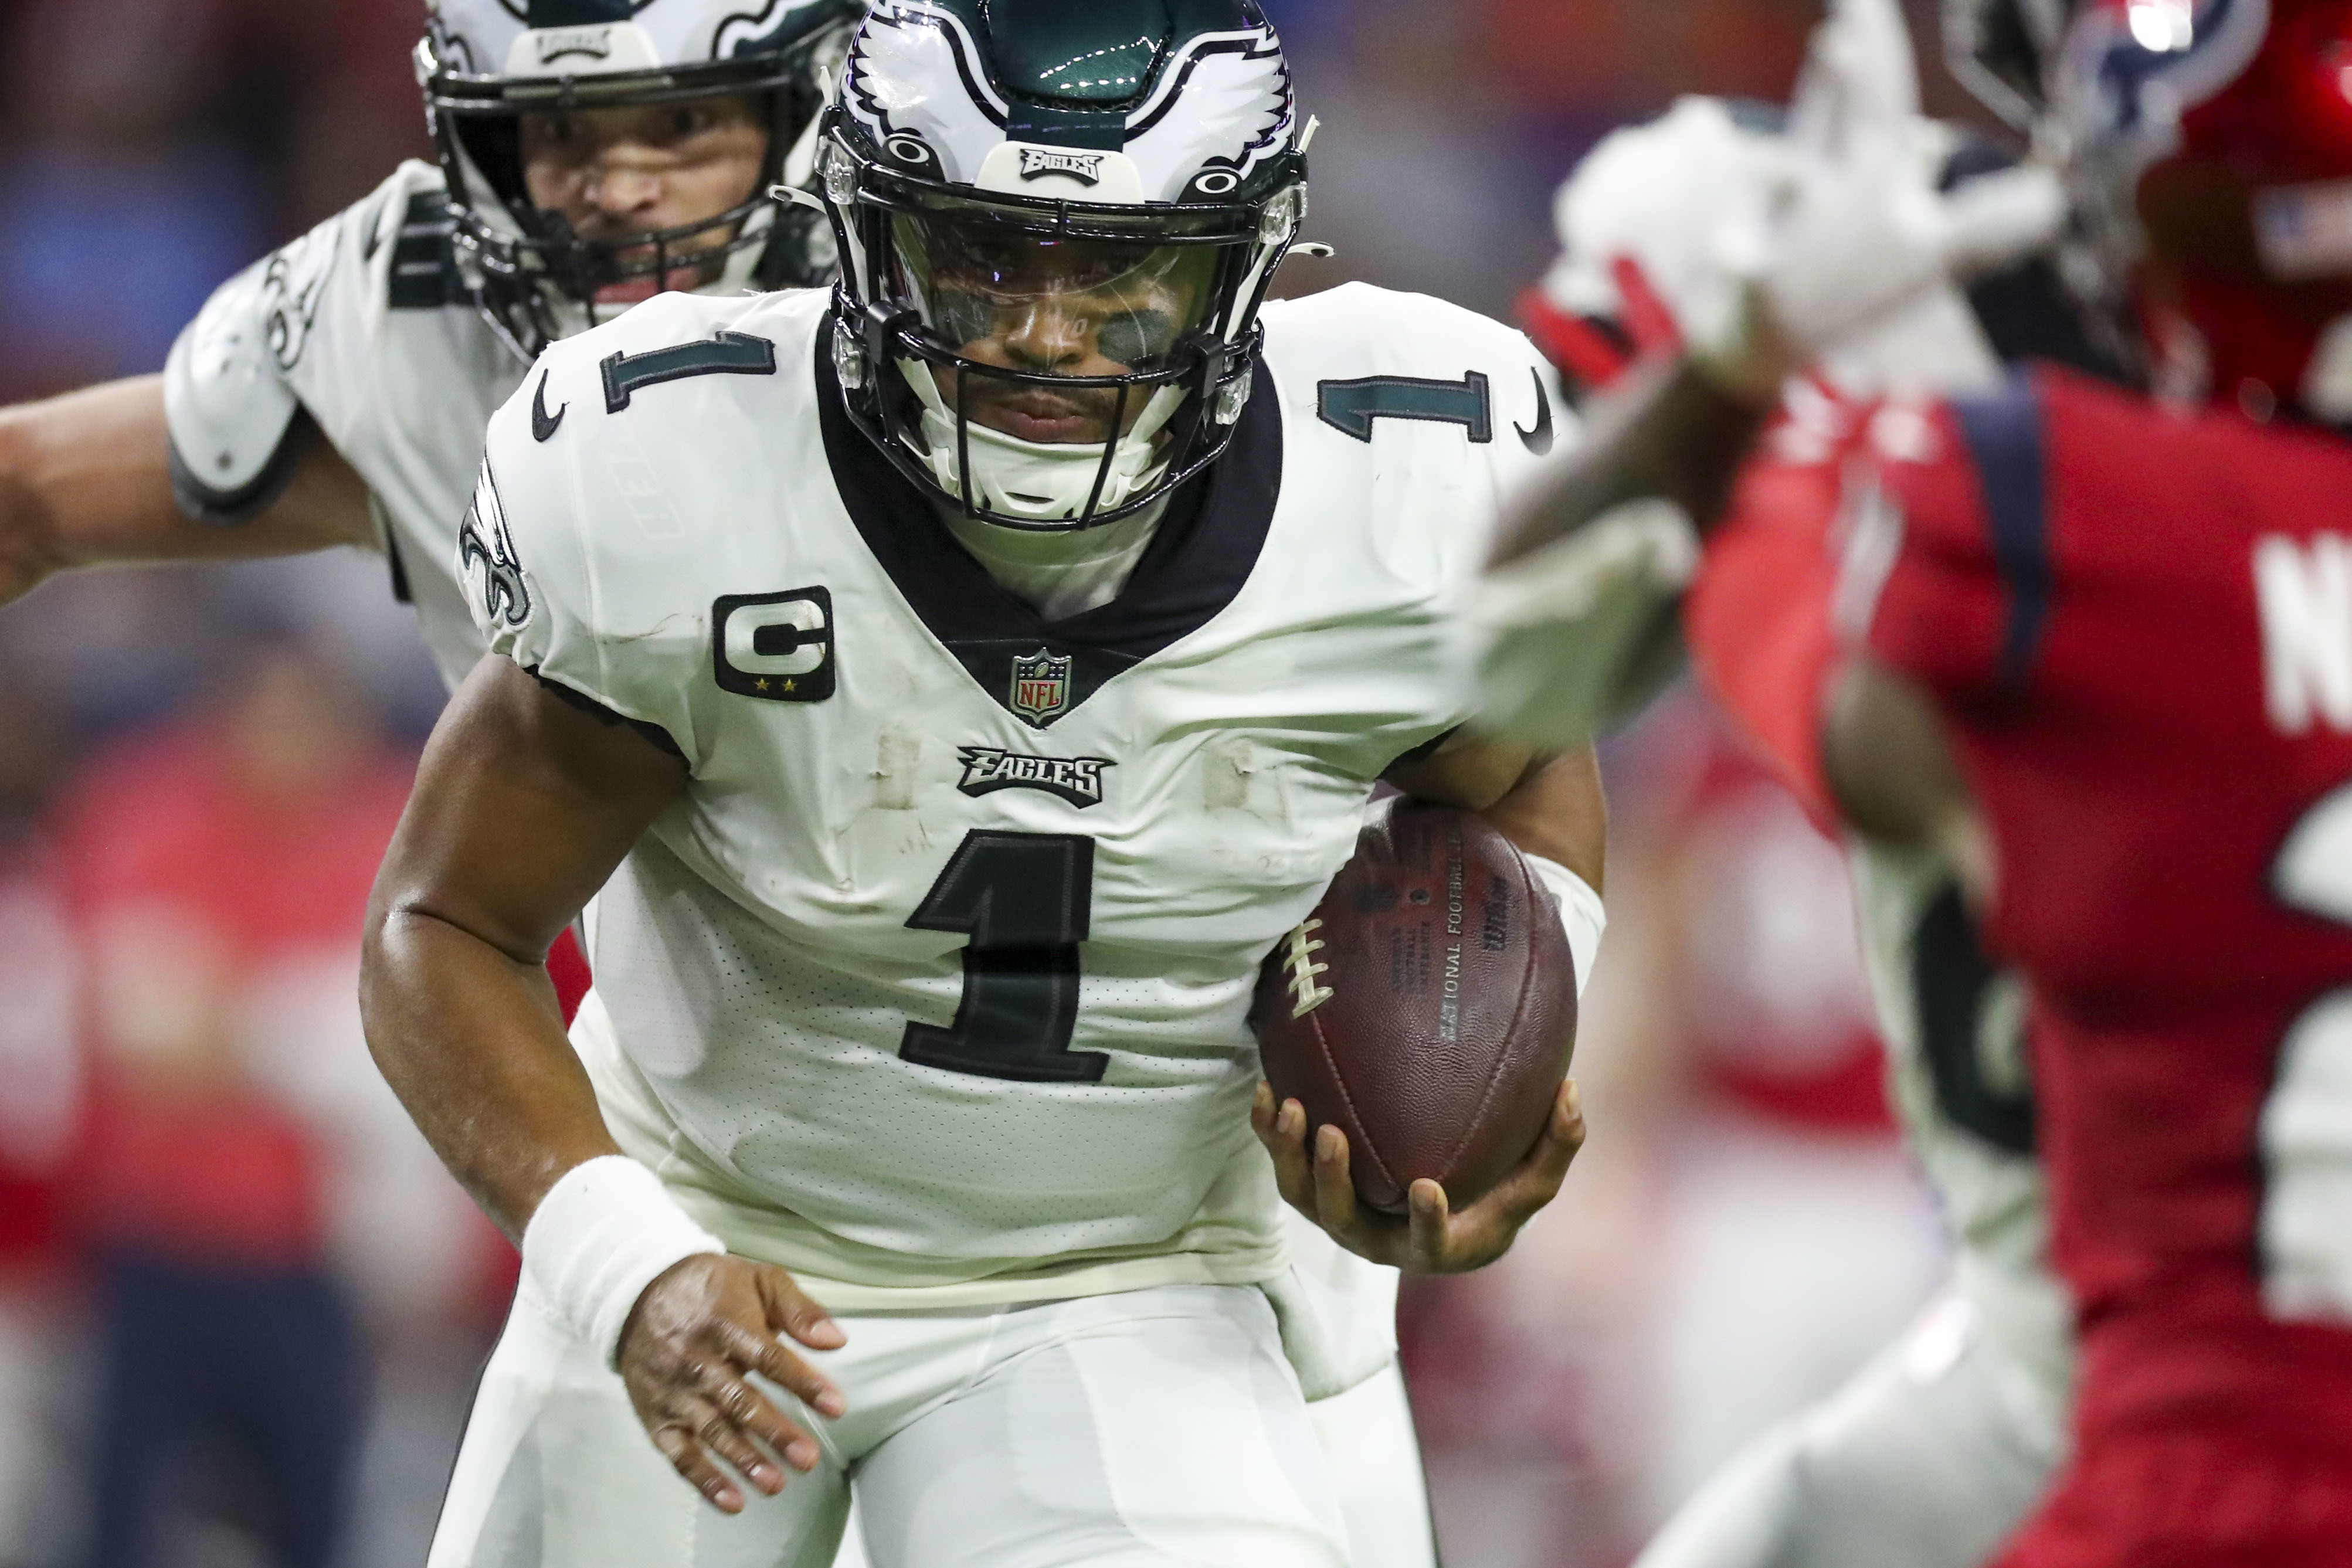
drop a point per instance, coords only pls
(484, 64)
(1145, 153)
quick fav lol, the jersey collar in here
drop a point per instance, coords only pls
(1205, 549)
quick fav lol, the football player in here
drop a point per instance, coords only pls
(2094, 649)
(955, 685)
(1934, 1451)
(335, 394)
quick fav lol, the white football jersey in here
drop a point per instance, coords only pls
(363, 324)
(1953, 1028)
(937, 979)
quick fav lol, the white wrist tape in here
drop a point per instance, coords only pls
(600, 1236)
(1580, 910)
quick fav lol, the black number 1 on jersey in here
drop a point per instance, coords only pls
(1024, 899)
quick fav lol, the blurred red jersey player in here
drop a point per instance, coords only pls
(2136, 622)
(2138, 629)
(2132, 619)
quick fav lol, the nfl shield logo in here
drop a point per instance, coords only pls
(1041, 684)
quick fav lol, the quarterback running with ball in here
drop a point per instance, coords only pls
(335, 394)
(954, 684)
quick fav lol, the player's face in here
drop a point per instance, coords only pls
(612, 173)
(1052, 308)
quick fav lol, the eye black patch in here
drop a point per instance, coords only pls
(1136, 337)
(958, 317)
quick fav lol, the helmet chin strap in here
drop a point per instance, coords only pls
(1037, 481)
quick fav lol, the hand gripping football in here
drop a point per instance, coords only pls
(1427, 1010)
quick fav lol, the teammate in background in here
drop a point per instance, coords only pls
(336, 394)
(955, 687)
(2094, 649)
(335, 391)
(1932, 1454)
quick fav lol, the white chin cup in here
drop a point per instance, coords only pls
(603, 1233)
(1038, 481)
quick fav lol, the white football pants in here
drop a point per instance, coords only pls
(1928, 1457)
(1151, 1427)
(1374, 1458)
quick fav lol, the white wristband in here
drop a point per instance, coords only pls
(1580, 910)
(600, 1236)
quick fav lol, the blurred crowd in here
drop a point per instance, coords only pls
(224, 1257)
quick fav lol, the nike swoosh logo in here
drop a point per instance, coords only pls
(1538, 440)
(542, 424)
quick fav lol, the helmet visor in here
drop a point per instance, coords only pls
(1001, 295)
(1018, 311)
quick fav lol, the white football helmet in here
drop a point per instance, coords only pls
(1135, 167)
(485, 63)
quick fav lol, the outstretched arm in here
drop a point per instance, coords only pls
(86, 478)
(524, 804)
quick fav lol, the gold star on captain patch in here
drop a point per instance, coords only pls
(761, 684)
(790, 687)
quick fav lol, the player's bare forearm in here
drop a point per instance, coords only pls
(1676, 433)
(524, 804)
(1557, 810)
(86, 478)
(523, 807)
(1890, 764)
(1547, 806)
(472, 1041)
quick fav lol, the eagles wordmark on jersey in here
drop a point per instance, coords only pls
(934, 988)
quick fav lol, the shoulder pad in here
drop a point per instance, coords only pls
(1374, 352)
(227, 401)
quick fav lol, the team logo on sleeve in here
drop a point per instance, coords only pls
(987, 769)
(495, 579)
(1041, 684)
(293, 282)
(778, 646)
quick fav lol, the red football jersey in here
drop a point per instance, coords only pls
(2138, 625)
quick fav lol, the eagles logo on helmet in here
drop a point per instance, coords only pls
(484, 64)
(1055, 234)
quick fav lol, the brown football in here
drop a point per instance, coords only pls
(1422, 1010)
